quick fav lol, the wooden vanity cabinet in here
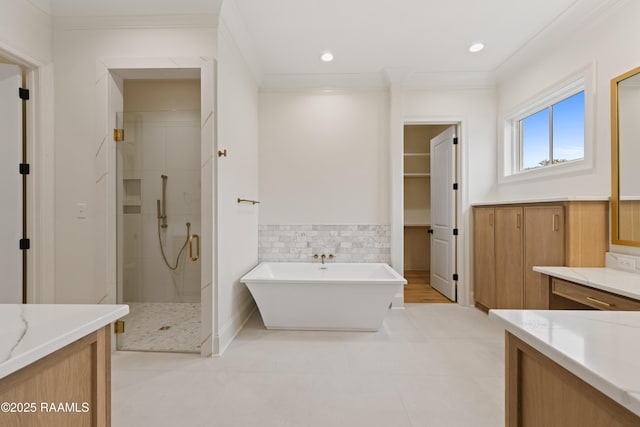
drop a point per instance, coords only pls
(565, 295)
(510, 239)
(539, 392)
(484, 266)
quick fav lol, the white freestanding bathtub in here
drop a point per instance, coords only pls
(333, 296)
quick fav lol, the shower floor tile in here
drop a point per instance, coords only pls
(155, 326)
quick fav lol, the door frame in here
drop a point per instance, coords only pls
(462, 203)
(40, 213)
(109, 100)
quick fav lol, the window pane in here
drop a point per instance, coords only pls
(568, 129)
(535, 140)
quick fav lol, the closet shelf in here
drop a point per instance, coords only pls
(417, 175)
(416, 154)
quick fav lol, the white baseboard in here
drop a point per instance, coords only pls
(229, 331)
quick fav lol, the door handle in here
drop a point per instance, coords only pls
(191, 237)
(517, 220)
(556, 220)
(491, 219)
(597, 301)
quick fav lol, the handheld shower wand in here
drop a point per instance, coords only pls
(162, 213)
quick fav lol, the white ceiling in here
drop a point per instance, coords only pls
(368, 36)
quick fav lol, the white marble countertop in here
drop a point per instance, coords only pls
(544, 200)
(607, 279)
(32, 331)
(600, 347)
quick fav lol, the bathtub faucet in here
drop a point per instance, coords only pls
(323, 257)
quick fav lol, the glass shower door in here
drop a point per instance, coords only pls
(158, 222)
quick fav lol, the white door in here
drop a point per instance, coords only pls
(443, 213)
(10, 184)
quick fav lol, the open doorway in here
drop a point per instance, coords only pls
(158, 212)
(429, 259)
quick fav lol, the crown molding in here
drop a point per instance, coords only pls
(42, 5)
(233, 26)
(389, 77)
(67, 23)
(580, 15)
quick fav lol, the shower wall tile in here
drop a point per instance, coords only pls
(162, 143)
(153, 148)
(181, 156)
(350, 243)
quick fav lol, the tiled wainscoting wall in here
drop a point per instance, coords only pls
(349, 243)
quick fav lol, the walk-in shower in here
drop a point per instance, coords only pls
(158, 183)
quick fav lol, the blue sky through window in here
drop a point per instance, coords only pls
(535, 139)
(568, 133)
(568, 128)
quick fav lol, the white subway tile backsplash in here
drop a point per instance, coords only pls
(350, 243)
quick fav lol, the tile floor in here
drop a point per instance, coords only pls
(162, 326)
(429, 365)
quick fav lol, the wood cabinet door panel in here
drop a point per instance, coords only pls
(544, 231)
(509, 257)
(484, 265)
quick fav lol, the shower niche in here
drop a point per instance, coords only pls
(131, 202)
(158, 215)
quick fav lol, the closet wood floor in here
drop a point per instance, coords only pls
(419, 290)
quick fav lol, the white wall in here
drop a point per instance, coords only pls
(324, 157)
(611, 42)
(79, 44)
(25, 31)
(237, 176)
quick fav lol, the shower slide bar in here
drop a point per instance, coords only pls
(161, 207)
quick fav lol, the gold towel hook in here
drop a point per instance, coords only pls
(253, 202)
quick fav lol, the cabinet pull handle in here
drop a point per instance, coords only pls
(517, 220)
(556, 222)
(491, 219)
(597, 301)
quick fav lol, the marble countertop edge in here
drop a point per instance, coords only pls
(67, 336)
(630, 399)
(543, 200)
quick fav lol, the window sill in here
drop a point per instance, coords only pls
(574, 167)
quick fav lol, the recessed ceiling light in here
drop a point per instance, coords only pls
(327, 57)
(476, 47)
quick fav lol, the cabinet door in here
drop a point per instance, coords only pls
(484, 263)
(544, 232)
(509, 257)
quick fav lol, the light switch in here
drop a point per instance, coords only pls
(81, 211)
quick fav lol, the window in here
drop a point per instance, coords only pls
(551, 135)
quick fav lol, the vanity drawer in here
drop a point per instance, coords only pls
(595, 298)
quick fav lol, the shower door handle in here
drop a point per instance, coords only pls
(191, 237)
